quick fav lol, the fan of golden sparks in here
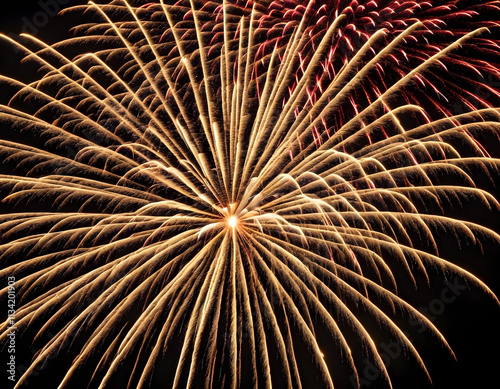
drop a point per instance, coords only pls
(230, 194)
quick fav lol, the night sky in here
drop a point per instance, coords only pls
(470, 322)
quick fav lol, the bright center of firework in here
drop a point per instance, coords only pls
(232, 221)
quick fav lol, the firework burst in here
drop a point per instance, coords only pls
(233, 194)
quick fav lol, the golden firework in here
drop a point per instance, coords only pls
(229, 194)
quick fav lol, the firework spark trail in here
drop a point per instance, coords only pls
(241, 180)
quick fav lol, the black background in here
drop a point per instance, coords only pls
(471, 323)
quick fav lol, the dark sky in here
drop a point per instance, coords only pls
(33, 16)
(471, 322)
(36, 17)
